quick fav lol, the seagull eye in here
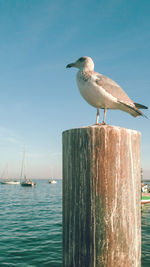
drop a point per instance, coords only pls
(81, 59)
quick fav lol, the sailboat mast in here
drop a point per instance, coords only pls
(23, 166)
(7, 171)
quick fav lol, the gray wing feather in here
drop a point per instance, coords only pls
(113, 88)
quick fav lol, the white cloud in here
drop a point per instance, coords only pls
(56, 154)
(34, 155)
(12, 140)
(8, 135)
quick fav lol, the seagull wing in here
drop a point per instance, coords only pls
(116, 91)
(113, 88)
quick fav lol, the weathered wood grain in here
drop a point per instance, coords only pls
(101, 197)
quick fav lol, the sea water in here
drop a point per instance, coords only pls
(31, 226)
(145, 231)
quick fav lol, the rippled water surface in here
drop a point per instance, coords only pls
(145, 221)
(31, 226)
(146, 236)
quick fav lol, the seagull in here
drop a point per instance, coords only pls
(102, 92)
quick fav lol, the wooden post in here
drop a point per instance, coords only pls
(101, 197)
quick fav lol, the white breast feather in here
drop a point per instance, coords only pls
(94, 94)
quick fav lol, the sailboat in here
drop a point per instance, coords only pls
(9, 181)
(26, 181)
(52, 180)
(145, 197)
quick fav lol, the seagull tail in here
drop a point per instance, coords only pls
(133, 110)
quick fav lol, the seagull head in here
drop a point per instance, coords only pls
(83, 64)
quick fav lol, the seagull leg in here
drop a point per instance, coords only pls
(97, 116)
(105, 111)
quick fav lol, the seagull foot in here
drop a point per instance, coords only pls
(99, 124)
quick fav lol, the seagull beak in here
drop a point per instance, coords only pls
(70, 65)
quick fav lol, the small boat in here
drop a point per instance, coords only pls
(25, 181)
(52, 181)
(145, 198)
(14, 182)
(6, 180)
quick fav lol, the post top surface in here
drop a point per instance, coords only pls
(105, 128)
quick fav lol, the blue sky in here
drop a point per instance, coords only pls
(39, 97)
